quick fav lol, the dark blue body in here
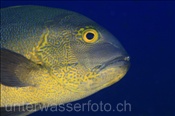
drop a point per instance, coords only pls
(147, 32)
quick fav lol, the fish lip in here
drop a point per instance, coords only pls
(124, 59)
(118, 59)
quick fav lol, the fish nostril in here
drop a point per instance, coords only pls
(127, 58)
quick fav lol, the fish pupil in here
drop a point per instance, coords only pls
(89, 36)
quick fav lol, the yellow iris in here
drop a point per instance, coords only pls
(90, 35)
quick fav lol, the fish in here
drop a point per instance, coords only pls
(54, 56)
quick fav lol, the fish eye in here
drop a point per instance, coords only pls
(90, 36)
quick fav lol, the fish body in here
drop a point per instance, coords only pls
(52, 56)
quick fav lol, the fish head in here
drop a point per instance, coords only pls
(90, 55)
(101, 55)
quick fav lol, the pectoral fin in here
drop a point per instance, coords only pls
(15, 68)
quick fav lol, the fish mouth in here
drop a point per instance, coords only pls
(121, 61)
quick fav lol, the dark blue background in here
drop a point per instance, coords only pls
(147, 32)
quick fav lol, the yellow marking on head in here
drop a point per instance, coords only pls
(41, 44)
(43, 41)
